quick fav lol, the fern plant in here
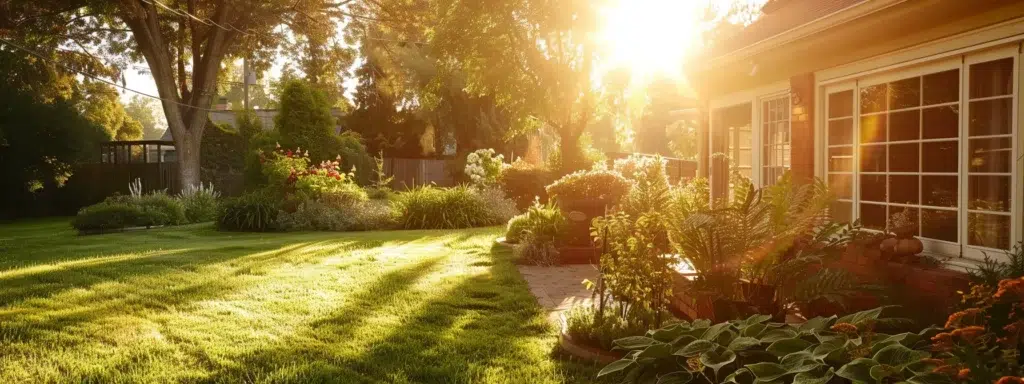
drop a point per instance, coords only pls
(778, 237)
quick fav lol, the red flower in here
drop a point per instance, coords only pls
(964, 374)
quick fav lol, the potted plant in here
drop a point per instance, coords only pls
(584, 195)
(901, 245)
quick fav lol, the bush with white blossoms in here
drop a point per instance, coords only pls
(483, 167)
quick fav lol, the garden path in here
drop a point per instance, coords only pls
(559, 288)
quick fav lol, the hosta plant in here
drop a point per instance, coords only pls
(754, 350)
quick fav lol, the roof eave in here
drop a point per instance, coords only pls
(820, 24)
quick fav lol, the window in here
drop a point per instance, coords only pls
(731, 146)
(775, 138)
(938, 144)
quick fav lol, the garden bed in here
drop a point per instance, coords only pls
(586, 352)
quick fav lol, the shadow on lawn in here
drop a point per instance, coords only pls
(487, 324)
(37, 300)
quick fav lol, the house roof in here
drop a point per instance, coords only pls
(780, 16)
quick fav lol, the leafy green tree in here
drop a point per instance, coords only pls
(101, 104)
(535, 58)
(183, 43)
(304, 119)
(146, 111)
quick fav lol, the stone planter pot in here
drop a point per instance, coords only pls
(579, 214)
(570, 255)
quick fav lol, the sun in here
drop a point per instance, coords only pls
(650, 37)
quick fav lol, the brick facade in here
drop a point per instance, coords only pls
(802, 125)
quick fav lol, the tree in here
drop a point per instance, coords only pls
(534, 57)
(145, 111)
(183, 43)
(101, 104)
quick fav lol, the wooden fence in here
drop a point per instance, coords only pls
(99, 180)
(410, 173)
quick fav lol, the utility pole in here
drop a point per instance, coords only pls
(245, 83)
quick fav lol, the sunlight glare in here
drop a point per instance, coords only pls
(651, 36)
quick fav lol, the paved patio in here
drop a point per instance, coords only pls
(558, 289)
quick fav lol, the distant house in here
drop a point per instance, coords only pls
(899, 105)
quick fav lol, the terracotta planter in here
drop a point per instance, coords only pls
(579, 255)
(579, 214)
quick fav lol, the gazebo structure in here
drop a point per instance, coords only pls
(153, 162)
(138, 152)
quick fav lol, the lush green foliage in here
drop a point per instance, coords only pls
(305, 121)
(321, 215)
(516, 227)
(483, 167)
(593, 185)
(41, 139)
(780, 237)
(542, 230)
(107, 216)
(289, 172)
(587, 326)
(524, 183)
(757, 351)
(431, 207)
(993, 270)
(253, 211)
(200, 203)
(222, 152)
(118, 212)
(368, 307)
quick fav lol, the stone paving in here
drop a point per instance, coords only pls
(558, 289)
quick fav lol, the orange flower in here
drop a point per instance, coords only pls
(1010, 286)
(969, 334)
(949, 370)
(964, 374)
(968, 316)
(846, 328)
(1010, 380)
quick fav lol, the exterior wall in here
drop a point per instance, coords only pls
(952, 31)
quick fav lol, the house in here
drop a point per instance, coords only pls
(898, 105)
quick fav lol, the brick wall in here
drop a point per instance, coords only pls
(802, 123)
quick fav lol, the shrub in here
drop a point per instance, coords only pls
(316, 216)
(544, 226)
(483, 167)
(108, 215)
(500, 209)
(594, 185)
(289, 173)
(524, 183)
(753, 350)
(304, 119)
(255, 211)
(160, 209)
(431, 207)
(222, 150)
(515, 228)
(200, 203)
(373, 215)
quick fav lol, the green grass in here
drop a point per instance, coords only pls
(190, 304)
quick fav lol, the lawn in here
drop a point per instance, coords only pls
(191, 304)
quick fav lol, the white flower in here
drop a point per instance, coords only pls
(472, 158)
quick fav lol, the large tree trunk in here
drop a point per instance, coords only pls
(188, 158)
(569, 150)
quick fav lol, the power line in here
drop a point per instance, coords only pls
(45, 59)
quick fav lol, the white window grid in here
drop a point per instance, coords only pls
(961, 247)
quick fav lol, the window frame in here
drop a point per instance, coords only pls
(962, 62)
(753, 97)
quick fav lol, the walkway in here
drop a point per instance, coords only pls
(558, 289)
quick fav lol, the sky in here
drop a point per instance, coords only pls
(648, 36)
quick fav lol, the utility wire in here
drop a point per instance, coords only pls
(45, 59)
